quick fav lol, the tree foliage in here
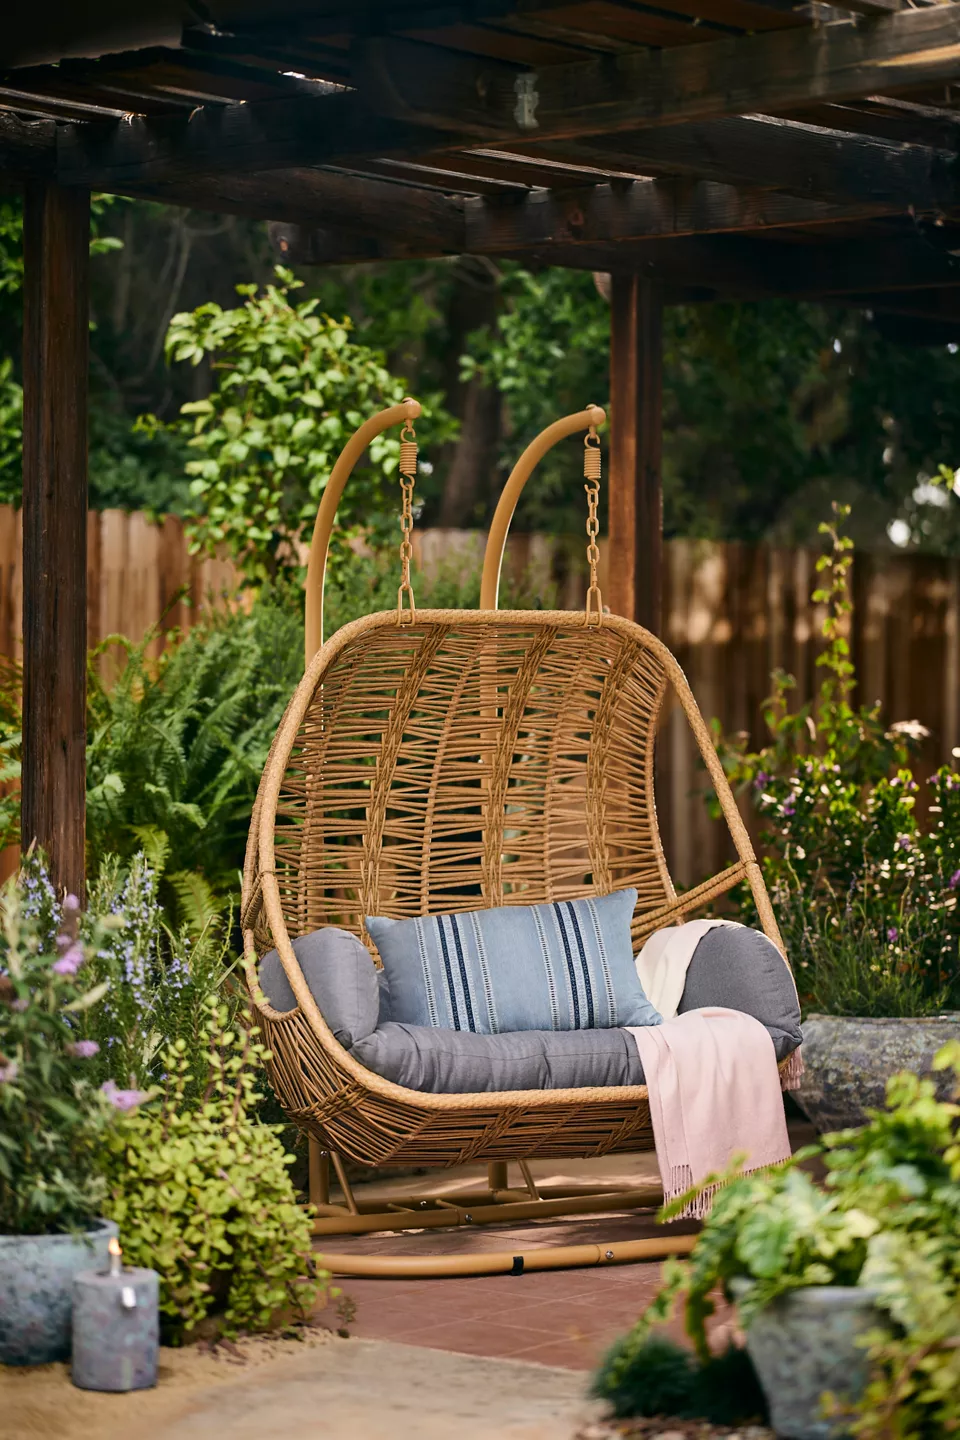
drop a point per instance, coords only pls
(770, 411)
(290, 388)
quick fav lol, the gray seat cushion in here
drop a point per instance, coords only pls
(456, 1062)
(738, 968)
(341, 977)
(743, 970)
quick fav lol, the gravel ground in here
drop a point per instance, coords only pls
(663, 1428)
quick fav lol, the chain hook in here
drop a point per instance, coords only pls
(591, 473)
(408, 475)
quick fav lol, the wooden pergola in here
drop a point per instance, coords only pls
(694, 149)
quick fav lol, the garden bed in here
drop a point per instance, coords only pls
(663, 1428)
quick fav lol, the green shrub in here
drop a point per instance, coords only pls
(53, 1119)
(657, 1377)
(866, 896)
(202, 1192)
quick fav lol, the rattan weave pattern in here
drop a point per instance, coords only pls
(468, 758)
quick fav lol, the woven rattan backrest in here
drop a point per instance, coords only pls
(471, 759)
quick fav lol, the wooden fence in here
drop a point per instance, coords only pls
(732, 614)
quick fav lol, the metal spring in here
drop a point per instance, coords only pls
(591, 459)
(408, 457)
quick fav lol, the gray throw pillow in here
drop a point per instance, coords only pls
(741, 969)
(341, 977)
(561, 966)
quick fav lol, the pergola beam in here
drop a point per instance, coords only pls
(412, 98)
(593, 217)
(774, 71)
(759, 150)
(644, 209)
(28, 147)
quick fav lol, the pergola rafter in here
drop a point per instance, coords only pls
(694, 149)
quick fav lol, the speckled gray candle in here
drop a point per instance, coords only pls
(116, 1330)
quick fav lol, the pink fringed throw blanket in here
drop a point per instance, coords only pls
(714, 1093)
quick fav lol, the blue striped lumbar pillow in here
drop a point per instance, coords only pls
(562, 966)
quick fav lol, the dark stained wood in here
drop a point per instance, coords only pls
(800, 159)
(426, 86)
(901, 121)
(644, 209)
(380, 219)
(430, 96)
(27, 146)
(374, 218)
(56, 337)
(635, 496)
(235, 140)
(744, 267)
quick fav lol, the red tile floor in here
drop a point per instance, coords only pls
(556, 1317)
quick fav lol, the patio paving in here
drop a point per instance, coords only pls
(552, 1317)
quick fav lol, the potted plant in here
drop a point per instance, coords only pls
(53, 1118)
(849, 1290)
(865, 893)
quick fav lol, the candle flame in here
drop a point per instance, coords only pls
(114, 1246)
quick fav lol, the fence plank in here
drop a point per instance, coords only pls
(732, 614)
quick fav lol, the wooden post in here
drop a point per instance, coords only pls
(56, 250)
(636, 489)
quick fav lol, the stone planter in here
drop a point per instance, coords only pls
(847, 1063)
(804, 1343)
(36, 1290)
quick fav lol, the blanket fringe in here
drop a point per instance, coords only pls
(792, 1072)
(681, 1180)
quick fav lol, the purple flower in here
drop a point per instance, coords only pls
(71, 903)
(954, 880)
(892, 933)
(789, 805)
(762, 779)
(83, 1049)
(122, 1099)
(70, 961)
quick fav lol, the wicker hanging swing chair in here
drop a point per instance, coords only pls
(432, 761)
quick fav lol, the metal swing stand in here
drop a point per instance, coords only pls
(495, 1204)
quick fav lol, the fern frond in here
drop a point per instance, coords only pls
(196, 901)
(155, 844)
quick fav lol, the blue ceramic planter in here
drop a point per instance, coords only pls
(36, 1290)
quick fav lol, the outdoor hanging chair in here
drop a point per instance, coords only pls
(433, 761)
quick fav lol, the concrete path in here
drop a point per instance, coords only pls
(377, 1390)
(340, 1390)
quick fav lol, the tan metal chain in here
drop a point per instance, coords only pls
(408, 475)
(591, 473)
